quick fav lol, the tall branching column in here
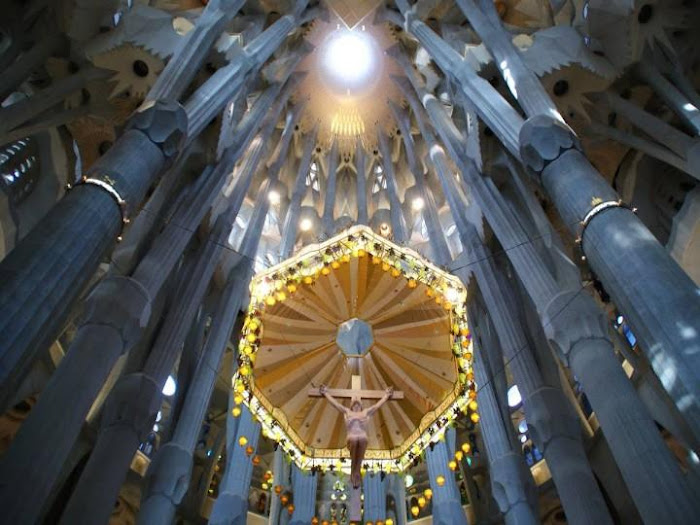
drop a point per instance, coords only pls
(398, 221)
(169, 475)
(291, 221)
(658, 298)
(304, 486)
(46, 272)
(447, 505)
(361, 183)
(231, 506)
(558, 306)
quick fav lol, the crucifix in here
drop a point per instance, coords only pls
(356, 418)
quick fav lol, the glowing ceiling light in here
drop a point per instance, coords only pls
(305, 225)
(523, 438)
(514, 398)
(349, 55)
(170, 387)
(409, 480)
(522, 426)
(418, 204)
(273, 197)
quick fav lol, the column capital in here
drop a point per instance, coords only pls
(511, 482)
(571, 317)
(550, 417)
(543, 139)
(169, 473)
(164, 122)
(133, 402)
(121, 303)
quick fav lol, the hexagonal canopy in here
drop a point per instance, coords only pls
(354, 337)
(356, 294)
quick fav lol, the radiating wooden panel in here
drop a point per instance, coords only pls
(411, 351)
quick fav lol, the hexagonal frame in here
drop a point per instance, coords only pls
(354, 337)
(273, 285)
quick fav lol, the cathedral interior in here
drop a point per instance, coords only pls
(483, 213)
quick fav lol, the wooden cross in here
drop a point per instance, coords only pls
(355, 391)
(356, 451)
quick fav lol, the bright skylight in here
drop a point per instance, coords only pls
(170, 387)
(349, 55)
(514, 398)
(349, 60)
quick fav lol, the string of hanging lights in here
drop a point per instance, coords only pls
(278, 283)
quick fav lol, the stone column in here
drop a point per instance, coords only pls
(630, 269)
(511, 481)
(619, 248)
(56, 420)
(28, 62)
(168, 477)
(397, 488)
(211, 97)
(171, 336)
(374, 488)
(674, 98)
(94, 214)
(32, 108)
(672, 138)
(441, 252)
(281, 470)
(361, 182)
(526, 86)
(117, 311)
(577, 321)
(231, 507)
(304, 489)
(329, 203)
(127, 254)
(35, 295)
(291, 221)
(398, 221)
(132, 405)
(574, 492)
(578, 491)
(193, 49)
(447, 506)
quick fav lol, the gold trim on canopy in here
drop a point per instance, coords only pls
(421, 344)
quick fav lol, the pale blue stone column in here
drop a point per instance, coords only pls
(375, 497)
(447, 506)
(304, 489)
(231, 507)
(281, 473)
(397, 489)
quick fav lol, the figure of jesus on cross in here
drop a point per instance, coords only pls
(356, 418)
